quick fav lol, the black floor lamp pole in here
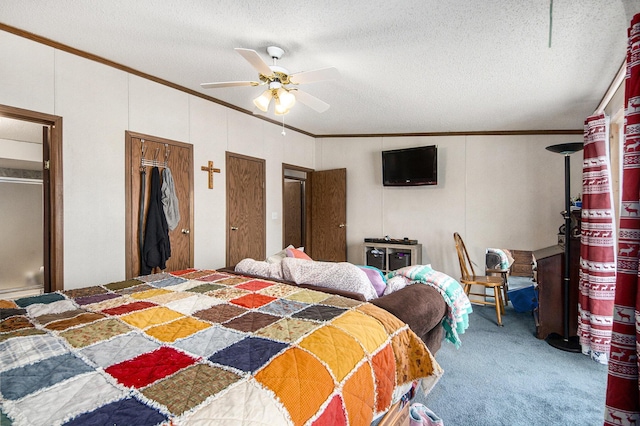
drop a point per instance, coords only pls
(566, 342)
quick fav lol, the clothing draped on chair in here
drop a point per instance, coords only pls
(622, 404)
(597, 255)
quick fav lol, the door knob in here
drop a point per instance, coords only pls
(185, 231)
(234, 228)
(342, 225)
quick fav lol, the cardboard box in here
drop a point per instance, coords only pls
(522, 263)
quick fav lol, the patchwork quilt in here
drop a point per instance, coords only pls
(199, 347)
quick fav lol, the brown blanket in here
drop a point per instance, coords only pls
(422, 308)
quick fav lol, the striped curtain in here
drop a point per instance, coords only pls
(597, 255)
(622, 404)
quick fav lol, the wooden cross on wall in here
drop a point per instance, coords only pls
(211, 170)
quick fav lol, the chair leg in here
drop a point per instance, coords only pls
(505, 279)
(498, 299)
(505, 298)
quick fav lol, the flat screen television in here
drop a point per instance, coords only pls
(410, 166)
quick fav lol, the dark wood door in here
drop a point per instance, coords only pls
(246, 226)
(292, 211)
(329, 215)
(178, 157)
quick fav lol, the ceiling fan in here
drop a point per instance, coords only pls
(281, 85)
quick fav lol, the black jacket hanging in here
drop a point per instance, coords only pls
(157, 247)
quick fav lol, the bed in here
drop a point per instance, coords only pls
(204, 347)
(431, 302)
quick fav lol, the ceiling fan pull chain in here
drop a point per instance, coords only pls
(283, 132)
(550, 20)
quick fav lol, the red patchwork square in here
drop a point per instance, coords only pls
(184, 271)
(254, 285)
(147, 368)
(253, 300)
(130, 307)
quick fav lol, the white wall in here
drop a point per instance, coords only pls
(22, 151)
(496, 191)
(98, 104)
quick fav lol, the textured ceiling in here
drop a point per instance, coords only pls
(407, 66)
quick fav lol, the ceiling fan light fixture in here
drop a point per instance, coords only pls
(262, 101)
(287, 99)
(277, 81)
(280, 109)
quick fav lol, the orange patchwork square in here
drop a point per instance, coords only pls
(335, 348)
(298, 366)
(384, 366)
(253, 300)
(150, 317)
(358, 396)
(7, 304)
(368, 331)
(149, 293)
(178, 329)
(390, 322)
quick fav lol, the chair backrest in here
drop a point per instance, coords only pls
(493, 261)
(466, 267)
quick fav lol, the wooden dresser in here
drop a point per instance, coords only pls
(550, 274)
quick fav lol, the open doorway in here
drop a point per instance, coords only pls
(31, 171)
(314, 211)
(21, 210)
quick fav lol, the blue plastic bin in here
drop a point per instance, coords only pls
(524, 299)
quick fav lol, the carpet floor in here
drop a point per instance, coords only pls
(506, 376)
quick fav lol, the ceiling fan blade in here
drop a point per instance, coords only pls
(229, 84)
(310, 100)
(330, 73)
(255, 60)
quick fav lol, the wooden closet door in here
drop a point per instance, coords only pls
(329, 215)
(246, 221)
(180, 162)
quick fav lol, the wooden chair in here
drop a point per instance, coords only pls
(468, 278)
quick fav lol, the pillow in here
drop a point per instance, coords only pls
(377, 278)
(261, 269)
(277, 257)
(395, 283)
(335, 275)
(298, 254)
